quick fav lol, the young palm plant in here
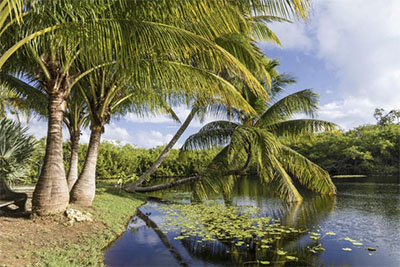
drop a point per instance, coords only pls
(16, 147)
(261, 140)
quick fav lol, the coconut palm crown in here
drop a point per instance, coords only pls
(262, 140)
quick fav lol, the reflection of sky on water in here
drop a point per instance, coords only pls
(367, 212)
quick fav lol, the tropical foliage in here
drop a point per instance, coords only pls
(16, 148)
(262, 139)
(126, 162)
(183, 56)
(368, 149)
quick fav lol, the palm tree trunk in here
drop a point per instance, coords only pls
(193, 179)
(84, 190)
(72, 175)
(51, 194)
(132, 186)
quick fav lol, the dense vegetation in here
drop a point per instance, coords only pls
(15, 150)
(368, 149)
(126, 162)
(150, 56)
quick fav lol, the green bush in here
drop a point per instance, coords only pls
(126, 162)
(368, 149)
(16, 148)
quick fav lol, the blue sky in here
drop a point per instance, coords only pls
(348, 52)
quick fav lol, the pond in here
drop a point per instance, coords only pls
(360, 226)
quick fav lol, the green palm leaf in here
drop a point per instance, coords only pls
(305, 101)
(294, 129)
(308, 173)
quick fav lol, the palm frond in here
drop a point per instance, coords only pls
(293, 129)
(305, 101)
(16, 147)
(286, 187)
(308, 173)
(215, 133)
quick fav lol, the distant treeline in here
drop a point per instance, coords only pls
(117, 161)
(369, 149)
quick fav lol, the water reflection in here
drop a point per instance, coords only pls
(365, 211)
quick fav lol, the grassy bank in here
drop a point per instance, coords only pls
(52, 242)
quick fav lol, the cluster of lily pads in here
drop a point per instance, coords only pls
(243, 226)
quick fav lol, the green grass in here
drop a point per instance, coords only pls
(113, 208)
(350, 176)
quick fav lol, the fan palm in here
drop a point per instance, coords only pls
(16, 147)
(261, 140)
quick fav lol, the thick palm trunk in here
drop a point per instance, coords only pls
(73, 161)
(84, 190)
(131, 187)
(51, 194)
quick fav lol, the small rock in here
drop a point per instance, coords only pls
(77, 215)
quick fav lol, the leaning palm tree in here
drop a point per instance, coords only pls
(243, 47)
(168, 70)
(261, 140)
(113, 93)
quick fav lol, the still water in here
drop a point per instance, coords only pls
(366, 210)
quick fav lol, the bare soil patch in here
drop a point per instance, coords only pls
(22, 234)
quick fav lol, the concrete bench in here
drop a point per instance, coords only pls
(9, 197)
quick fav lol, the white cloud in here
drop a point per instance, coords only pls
(152, 138)
(115, 133)
(181, 111)
(360, 39)
(292, 36)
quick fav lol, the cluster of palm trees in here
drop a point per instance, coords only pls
(81, 63)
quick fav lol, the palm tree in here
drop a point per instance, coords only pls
(16, 147)
(122, 32)
(76, 117)
(114, 92)
(262, 140)
(243, 47)
(102, 97)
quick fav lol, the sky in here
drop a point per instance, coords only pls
(347, 51)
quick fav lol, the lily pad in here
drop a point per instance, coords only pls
(330, 233)
(292, 258)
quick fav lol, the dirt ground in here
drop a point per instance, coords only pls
(21, 235)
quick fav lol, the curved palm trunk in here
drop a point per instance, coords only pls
(194, 178)
(72, 175)
(84, 190)
(131, 187)
(51, 194)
